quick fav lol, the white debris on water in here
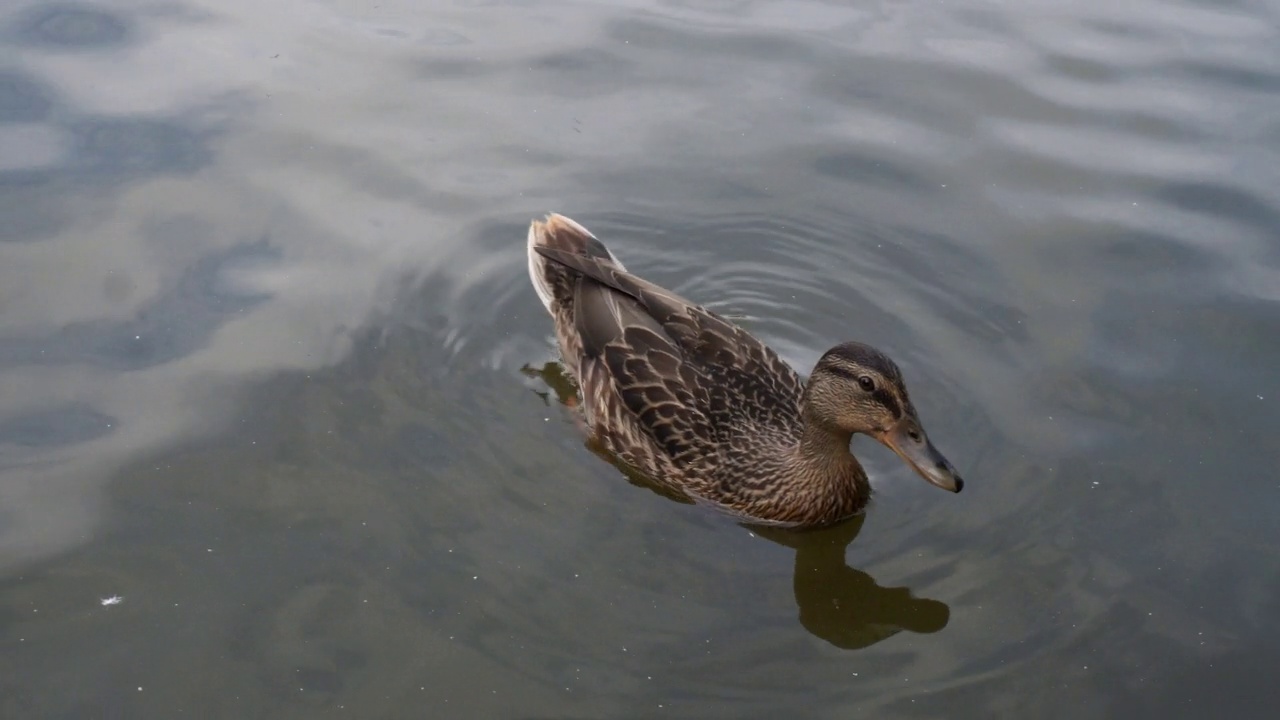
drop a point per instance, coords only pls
(113, 600)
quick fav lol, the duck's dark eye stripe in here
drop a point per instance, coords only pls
(886, 398)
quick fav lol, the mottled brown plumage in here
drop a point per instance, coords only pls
(698, 405)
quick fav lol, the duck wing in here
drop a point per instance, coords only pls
(690, 377)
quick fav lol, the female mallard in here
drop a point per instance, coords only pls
(698, 405)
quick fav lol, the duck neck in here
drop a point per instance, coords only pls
(823, 460)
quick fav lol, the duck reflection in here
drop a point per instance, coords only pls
(841, 605)
(844, 606)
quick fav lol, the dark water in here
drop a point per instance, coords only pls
(264, 314)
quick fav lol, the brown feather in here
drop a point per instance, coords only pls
(684, 396)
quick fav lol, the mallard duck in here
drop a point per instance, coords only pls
(697, 404)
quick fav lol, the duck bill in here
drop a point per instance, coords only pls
(921, 455)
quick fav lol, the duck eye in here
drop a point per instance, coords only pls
(866, 383)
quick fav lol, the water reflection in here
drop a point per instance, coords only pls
(839, 604)
(71, 27)
(843, 605)
(66, 425)
(172, 325)
(22, 99)
(115, 148)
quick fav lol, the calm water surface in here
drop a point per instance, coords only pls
(267, 354)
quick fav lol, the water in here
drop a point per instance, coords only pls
(263, 320)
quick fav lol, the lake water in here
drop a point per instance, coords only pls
(274, 443)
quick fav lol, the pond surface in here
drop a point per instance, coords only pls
(274, 443)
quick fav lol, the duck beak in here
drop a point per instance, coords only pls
(909, 441)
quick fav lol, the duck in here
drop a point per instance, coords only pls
(700, 407)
